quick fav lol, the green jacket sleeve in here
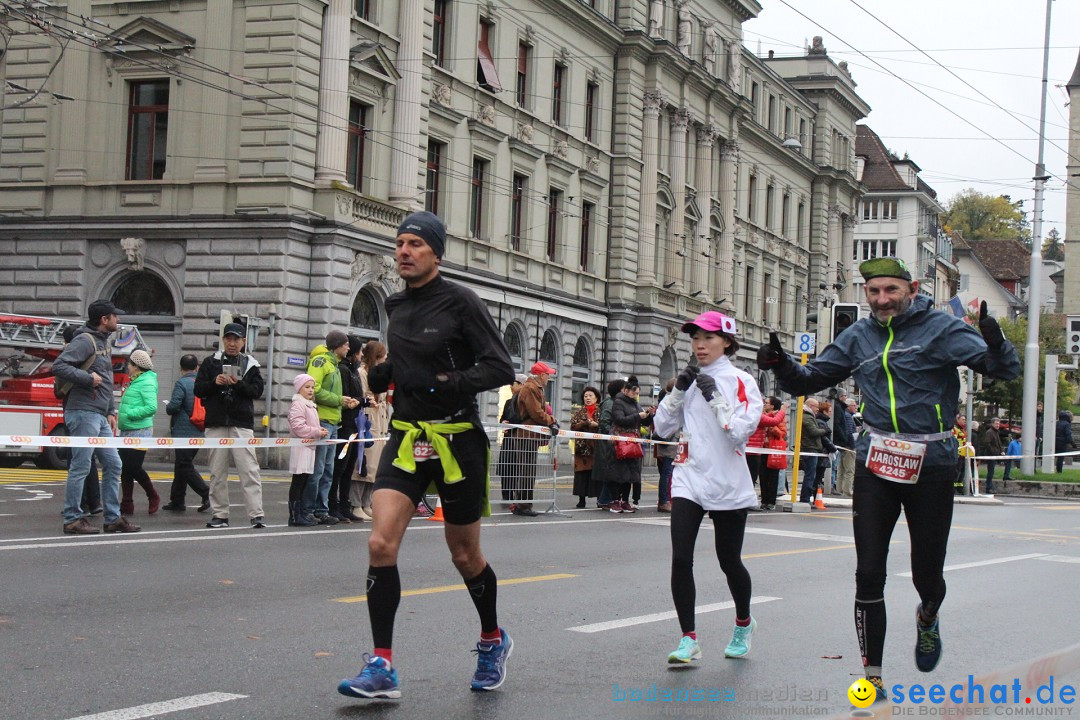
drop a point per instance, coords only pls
(140, 400)
(326, 380)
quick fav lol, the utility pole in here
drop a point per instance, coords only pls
(1031, 349)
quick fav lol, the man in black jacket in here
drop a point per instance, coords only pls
(228, 383)
(444, 348)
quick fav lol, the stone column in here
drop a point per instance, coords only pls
(404, 167)
(331, 145)
(846, 253)
(699, 264)
(834, 245)
(71, 162)
(650, 151)
(676, 240)
(729, 167)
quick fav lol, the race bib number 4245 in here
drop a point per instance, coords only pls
(894, 459)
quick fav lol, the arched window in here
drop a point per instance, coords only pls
(549, 353)
(364, 318)
(580, 373)
(669, 367)
(144, 293)
(514, 344)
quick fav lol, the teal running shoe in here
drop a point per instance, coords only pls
(740, 640)
(688, 651)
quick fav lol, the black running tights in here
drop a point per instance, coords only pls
(928, 508)
(728, 529)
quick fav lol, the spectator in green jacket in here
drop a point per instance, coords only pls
(323, 367)
(135, 418)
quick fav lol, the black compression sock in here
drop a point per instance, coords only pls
(383, 597)
(483, 590)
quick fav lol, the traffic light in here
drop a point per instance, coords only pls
(844, 315)
(1072, 335)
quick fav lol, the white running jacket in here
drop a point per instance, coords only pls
(714, 475)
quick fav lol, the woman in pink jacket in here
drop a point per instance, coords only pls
(303, 423)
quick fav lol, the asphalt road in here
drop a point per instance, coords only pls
(264, 623)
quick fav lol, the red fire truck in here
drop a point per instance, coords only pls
(28, 405)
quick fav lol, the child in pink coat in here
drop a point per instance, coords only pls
(303, 423)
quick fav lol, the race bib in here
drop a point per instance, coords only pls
(896, 460)
(682, 451)
(422, 450)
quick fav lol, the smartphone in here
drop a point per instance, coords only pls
(231, 371)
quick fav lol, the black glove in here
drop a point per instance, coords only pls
(990, 329)
(707, 386)
(380, 377)
(554, 428)
(686, 377)
(772, 356)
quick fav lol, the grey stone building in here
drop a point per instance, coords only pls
(606, 170)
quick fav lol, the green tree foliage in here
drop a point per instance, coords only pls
(987, 217)
(1052, 247)
(1005, 399)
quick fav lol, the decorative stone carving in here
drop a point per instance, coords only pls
(100, 254)
(387, 272)
(174, 255)
(361, 266)
(684, 28)
(441, 95)
(844, 67)
(729, 151)
(134, 251)
(564, 55)
(486, 115)
(530, 34)
(656, 18)
(653, 100)
(706, 134)
(710, 43)
(734, 68)
(817, 47)
(344, 204)
(680, 120)
(524, 133)
(848, 222)
(593, 165)
(561, 149)
(672, 336)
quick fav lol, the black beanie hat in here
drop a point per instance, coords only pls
(356, 343)
(427, 226)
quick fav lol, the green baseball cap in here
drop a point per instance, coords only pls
(885, 267)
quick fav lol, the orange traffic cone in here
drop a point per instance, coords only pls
(437, 516)
(819, 503)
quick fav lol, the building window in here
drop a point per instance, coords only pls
(782, 300)
(592, 92)
(787, 123)
(772, 114)
(476, 197)
(438, 31)
(800, 217)
(753, 96)
(435, 152)
(365, 313)
(521, 88)
(769, 193)
(751, 191)
(579, 373)
(766, 287)
(802, 135)
(148, 128)
(514, 345)
(486, 75)
(144, 293)
(517, 210)
(549, 353)
(587, 210)
(554, 222)
(363, 9)
(354, 170)
(748, 291)
(888, 209)
(557, 85)
(785, 215)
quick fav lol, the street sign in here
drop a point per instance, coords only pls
(294, 361)
(805, 343)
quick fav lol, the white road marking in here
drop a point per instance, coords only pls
(160, 708)
(801, 535)
(657, 617)
(1061, 558)
(981, 563)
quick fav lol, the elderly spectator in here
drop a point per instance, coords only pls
(532, 409)
(585, 418)
(627, 418)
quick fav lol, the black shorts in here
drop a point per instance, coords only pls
(462, 501)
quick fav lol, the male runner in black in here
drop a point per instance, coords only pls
(444, 348)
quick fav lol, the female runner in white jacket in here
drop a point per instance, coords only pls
(717, 407)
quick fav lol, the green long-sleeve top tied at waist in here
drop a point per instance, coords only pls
(435, 433)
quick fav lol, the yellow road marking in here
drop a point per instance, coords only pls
(797, 552)
(455, 588)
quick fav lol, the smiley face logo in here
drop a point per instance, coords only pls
(862, 693)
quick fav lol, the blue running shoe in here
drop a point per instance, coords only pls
(376, 680)
(491, 663)
(927, 643)
(687, 652)
(740, 640)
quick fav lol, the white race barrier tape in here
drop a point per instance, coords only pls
(147, 443)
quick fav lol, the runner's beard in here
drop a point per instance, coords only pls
(900, 308)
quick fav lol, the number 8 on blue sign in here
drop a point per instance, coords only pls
(805, 343)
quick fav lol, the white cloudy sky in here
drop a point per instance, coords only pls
(993, 45)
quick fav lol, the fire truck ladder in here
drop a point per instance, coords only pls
(30, 331)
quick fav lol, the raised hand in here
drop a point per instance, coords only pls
(771, 356)
(707, 386)
(686, 378)
(990, 329)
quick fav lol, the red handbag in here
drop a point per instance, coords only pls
(775, 461)
(628, 450)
